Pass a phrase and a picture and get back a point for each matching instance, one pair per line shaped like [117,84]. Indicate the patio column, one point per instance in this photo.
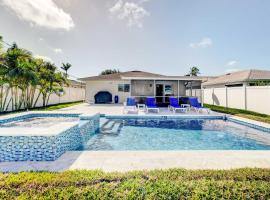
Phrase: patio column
[130,85]
[177,88]
[191,88]
[154,88]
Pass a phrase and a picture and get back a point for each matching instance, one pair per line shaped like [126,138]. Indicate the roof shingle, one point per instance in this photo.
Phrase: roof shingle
[239,77]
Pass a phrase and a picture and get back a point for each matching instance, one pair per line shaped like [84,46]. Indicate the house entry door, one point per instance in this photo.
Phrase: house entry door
[159,93]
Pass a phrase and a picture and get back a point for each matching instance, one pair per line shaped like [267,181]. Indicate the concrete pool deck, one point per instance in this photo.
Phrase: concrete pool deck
[123,161]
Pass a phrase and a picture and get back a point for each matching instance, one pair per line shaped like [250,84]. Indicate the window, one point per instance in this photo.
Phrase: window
[120,88]
[126,88]
[123,87]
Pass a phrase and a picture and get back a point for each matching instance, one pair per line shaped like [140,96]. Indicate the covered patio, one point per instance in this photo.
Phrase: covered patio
[161,89]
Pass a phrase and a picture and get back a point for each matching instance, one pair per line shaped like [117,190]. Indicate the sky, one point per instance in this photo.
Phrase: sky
[159,36]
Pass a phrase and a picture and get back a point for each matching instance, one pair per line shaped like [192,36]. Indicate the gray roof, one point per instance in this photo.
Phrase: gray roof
[138,75]
[239,77]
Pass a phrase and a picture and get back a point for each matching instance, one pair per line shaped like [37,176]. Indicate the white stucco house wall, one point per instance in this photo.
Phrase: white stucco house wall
[139,84]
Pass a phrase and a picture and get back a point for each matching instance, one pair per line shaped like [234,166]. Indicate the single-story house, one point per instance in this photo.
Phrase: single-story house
[139,84]
[250,77]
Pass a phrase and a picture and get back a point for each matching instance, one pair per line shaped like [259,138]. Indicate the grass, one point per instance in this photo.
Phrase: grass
[241,113]
[47,108]
[58,106]
[157,184]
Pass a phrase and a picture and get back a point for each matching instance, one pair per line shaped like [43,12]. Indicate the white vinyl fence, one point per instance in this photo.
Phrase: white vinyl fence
[195,93]
[253,98]
[71,94]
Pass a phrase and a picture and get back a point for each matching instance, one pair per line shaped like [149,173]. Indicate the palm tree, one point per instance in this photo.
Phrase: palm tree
[109,71]
[66,67]
[17,62]
[50,81]
[194,71]
[1,43]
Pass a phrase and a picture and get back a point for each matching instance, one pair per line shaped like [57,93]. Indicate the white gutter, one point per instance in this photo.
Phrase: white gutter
[188,78]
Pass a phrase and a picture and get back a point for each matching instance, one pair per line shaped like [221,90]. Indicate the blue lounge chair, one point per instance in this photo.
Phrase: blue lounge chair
[151,104]
[194,103]
[174,105]
[130,105]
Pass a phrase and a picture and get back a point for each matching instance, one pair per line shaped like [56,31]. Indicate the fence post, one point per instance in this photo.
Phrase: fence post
[202,96]
[226,96]
[245,96]
[213,92]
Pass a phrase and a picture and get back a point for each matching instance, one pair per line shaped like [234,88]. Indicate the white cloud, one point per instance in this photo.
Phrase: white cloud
[133,13]
[45,58]
[231,63]
[58,50]
[205,42]
[44,13]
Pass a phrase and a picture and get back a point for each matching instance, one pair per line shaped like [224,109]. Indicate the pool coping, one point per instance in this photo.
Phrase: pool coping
[36,131]
[248,122]
[123,161]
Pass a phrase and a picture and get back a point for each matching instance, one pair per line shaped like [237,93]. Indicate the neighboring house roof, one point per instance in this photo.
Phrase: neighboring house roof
[140,75]
[239,77]
[75,83]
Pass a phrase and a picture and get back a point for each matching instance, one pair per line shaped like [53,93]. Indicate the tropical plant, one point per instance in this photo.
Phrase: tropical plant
[66,67]
[260,83]
[22,75]
[50,81]
[1,43]
[110,71]
[18,74]
[194,71]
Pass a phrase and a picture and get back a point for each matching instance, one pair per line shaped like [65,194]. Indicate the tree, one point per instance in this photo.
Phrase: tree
[66,67]
[50,81]
[109,71]
[22,75]
[18,74]
[194,71]
[1,43]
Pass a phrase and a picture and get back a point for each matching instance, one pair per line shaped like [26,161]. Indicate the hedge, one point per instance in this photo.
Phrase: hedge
[157,184]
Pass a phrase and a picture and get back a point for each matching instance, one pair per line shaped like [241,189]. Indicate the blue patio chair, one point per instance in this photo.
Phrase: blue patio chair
[130,105]
[183,100]
[151,104]
[194,103]
[174,105]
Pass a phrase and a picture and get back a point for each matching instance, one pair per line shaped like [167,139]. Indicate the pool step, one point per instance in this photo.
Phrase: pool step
[103,121]
[114,128]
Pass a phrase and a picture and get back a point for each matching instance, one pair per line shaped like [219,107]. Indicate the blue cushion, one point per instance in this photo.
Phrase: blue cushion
[174,102]
[131,102]
[151,102]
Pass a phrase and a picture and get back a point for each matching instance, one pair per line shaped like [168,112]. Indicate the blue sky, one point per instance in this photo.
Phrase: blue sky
[161,36]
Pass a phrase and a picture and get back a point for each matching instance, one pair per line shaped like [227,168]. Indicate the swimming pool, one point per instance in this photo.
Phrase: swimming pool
[176,134]
[41,122]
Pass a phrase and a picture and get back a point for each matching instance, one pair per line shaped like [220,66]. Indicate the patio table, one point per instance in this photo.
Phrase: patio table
[141,107]
[187,106]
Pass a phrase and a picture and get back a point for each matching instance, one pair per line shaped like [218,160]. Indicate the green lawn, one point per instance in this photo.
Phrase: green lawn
[58,106]
[167,184]
[241,113]
[48,108]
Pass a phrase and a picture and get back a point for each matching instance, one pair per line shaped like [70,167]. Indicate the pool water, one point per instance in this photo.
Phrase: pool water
[154,134]
[40,122]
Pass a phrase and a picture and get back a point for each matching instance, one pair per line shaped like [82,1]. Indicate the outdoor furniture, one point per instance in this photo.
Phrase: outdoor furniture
[174,105]
[141,107]
[185,105]
[130,105]
[194,103]
[151,104]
